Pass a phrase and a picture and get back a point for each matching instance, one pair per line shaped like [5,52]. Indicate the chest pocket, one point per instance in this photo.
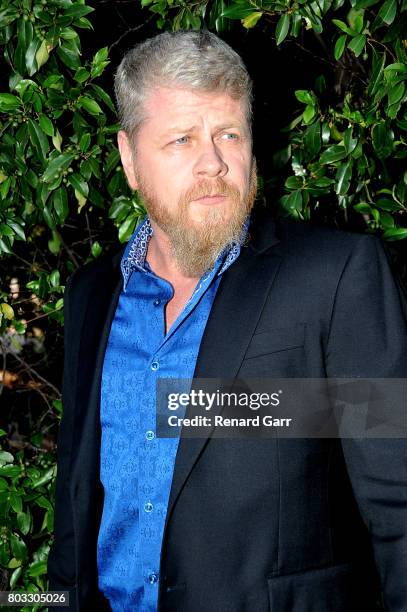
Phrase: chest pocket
[275,340]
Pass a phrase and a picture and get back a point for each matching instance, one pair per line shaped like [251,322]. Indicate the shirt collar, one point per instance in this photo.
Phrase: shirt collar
[134,256]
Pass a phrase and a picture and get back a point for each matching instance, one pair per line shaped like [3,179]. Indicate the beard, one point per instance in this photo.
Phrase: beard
[196,244]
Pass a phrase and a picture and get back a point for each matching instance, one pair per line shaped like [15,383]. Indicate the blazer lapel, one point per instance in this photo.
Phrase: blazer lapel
[235,312]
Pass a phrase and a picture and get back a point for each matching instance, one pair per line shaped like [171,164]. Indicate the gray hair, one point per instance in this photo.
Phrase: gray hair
[195,59]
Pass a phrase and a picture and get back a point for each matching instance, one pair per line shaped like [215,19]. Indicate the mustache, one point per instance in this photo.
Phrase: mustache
[207,188]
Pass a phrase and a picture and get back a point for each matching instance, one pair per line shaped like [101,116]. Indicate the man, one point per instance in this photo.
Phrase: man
[206,287]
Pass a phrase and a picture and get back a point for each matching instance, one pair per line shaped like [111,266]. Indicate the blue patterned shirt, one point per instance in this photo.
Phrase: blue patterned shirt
[136,466]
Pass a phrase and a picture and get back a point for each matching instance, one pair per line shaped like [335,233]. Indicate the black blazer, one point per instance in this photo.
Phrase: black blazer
[256,525]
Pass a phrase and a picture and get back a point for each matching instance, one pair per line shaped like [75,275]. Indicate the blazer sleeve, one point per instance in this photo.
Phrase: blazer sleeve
[368,339]
[61,559]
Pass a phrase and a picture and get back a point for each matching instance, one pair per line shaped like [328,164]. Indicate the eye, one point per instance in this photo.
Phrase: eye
[232,134]
[182,138]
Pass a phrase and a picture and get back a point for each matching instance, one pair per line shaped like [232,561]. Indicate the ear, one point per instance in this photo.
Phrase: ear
[126,155]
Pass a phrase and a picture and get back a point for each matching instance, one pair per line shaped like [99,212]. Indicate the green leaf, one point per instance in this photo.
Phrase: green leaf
[308,114]
[10,470]
[323,182]
[326,133]
[340,46]
[382,138]
[57,404]
[387,204]
[283,25]
[42,55]
[361,4]
[396,93]
[312,139]
[86,169]
[46,125]
[386,220]
[15,502]
[5,230]
[6,457]
[82,22]
[44,478]
[294,201]
[89,105]
[294,182]
[103,97]
[7,16]
[304,96]
[56,165]
[69,57]
[357,44]
[126,229]
[251,20]
[342,26]
[24,522]
[333,154]
[30,56]
[120,205]
[363,208]
[79,184]
[112,161]
[57,140]
[78,10]
[348,140]
[388,11]
[18,547]
[14,577]
[397,66]
[296,24]
[54,245]
[8,102]
[81,75]
[343,177]
[355,19]
[54,279]
[96,249]
[38,139]
[379,60]
[17,228]
[101,55]
[39,568]
[85,141]
[48,218]
[396,233]
[25,36]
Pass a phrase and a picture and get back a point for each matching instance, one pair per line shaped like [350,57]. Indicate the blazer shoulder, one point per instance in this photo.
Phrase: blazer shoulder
[331,243]
[103,267]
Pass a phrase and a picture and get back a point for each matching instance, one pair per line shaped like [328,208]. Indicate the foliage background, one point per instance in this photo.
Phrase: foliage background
[330,134]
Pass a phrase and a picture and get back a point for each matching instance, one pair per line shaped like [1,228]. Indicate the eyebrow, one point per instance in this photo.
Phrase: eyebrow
[193,128]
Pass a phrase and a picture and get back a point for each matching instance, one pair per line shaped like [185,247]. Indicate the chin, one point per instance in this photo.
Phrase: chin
[210,214]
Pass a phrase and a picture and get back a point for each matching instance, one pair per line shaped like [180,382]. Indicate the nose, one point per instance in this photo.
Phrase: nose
[210,162]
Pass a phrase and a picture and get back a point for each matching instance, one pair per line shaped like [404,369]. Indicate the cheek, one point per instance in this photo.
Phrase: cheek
[240,172]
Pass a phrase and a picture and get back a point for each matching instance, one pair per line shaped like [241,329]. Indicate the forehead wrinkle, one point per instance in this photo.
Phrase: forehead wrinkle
[167,103]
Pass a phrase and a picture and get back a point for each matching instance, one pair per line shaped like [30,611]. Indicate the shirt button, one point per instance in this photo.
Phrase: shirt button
[148,507]
[155,365]
[157,302]
[149,435]
[152,578]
